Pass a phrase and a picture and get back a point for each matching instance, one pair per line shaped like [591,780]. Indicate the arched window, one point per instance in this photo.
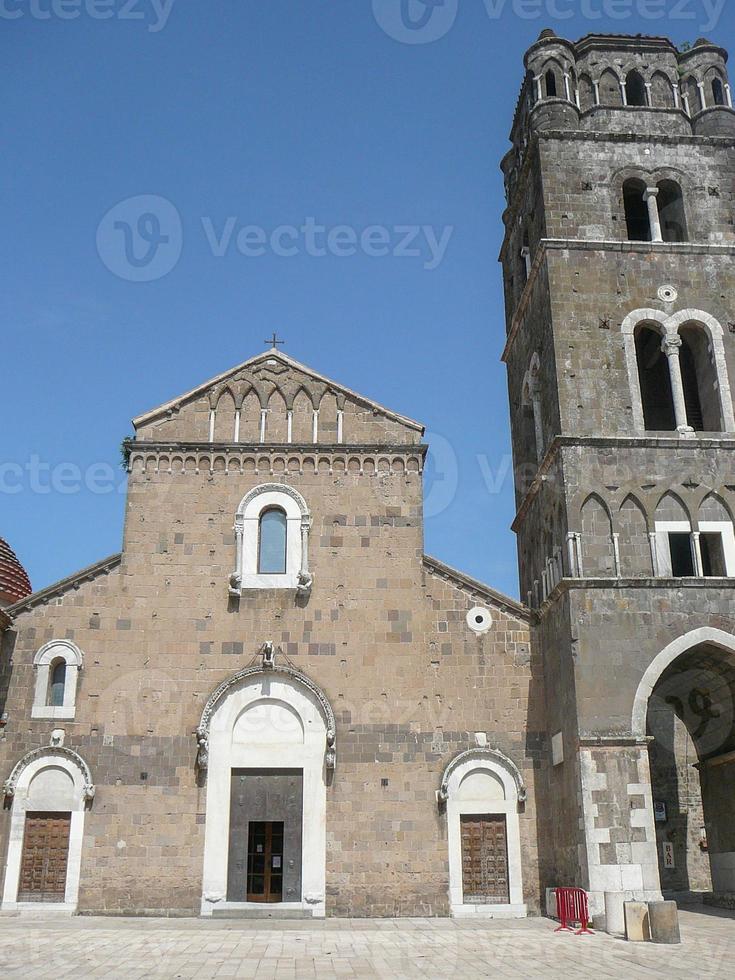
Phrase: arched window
[637,217]
[610,92]
[635,89]
[718,91]
[57,685]
[690,90]
[586,92]
[655,381]
[57,666]
[272,542]
[662,91]
[671,211]
[550,81]
[699,380]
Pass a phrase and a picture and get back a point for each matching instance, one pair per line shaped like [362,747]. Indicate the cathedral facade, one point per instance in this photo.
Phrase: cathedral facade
[272,701]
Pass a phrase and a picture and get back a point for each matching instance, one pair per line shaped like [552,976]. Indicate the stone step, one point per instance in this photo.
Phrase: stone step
[261,914]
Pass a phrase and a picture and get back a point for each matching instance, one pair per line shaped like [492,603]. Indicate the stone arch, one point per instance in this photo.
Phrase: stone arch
[611,93]
[597,550]
[586,93]
[303,418]
[662,91]
[690,91]
[276,427]
[483,784]
[250,418]
[552,80]
[224,417]
[635,89]
[634,542]
[239,738]
[51,779]
[714,508]
[715,333]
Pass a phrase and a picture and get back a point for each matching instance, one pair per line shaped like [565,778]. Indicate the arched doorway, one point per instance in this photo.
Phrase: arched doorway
[267,740]
[483,791]
[686,706]
[50,789]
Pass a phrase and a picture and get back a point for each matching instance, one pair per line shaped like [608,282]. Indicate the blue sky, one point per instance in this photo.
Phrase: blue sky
[271,113]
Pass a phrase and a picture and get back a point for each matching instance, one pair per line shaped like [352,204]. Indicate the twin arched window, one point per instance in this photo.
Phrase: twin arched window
[635,89]
[654,213]
[272,542]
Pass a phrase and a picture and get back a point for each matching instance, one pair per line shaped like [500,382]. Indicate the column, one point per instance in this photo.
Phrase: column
[315,426]
[537,83]
[654,553]
[677,95]
[702,96]
[340,424]
[697,555]
[624,93]
[580,563]
[728,94]
[670,347]
[651,199]
[567,87]
[211,424]
[526,256]
[236,436]
[649,96]
[263,415]
[616,552]
[571,556]
[537,420]
[289,426]
[596,86]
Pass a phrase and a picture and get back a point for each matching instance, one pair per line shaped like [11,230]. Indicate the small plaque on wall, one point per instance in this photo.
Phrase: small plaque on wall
[669,855]
[659,812]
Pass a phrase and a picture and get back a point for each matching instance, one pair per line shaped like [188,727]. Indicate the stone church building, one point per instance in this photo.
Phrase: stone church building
[273,702]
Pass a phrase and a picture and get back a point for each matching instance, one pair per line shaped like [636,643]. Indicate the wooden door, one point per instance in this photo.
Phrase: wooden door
[265,861]
[44,857]
[484,859]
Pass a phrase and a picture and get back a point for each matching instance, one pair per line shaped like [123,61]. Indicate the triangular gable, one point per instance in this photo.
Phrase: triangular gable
[270,358]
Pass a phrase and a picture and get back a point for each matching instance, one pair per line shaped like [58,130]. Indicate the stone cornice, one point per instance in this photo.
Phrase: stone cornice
[273,459]
[103,567]
[476,588]
[567,585]
[617,442]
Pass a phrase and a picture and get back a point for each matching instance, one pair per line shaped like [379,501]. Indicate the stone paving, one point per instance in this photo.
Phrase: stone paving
[84,947]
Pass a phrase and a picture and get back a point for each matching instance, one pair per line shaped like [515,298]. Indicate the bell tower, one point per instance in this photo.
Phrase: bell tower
[620,307]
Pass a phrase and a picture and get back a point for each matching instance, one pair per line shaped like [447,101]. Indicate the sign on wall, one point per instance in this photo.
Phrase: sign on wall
[669,855]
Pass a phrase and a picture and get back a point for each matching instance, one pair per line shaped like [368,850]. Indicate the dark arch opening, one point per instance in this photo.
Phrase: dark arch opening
[718,91]
[671,212]
[635,89]
[551,86]
[699,380]
[655,381]
[57,684]
[637,218]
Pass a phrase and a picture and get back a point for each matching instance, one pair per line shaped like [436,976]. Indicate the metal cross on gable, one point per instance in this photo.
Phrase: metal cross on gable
[274,341]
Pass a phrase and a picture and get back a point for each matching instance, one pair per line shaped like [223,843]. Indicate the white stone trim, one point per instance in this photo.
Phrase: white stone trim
[225,754]
[73,658]
[663,551]
[247,532]
[663,660]
[22,777]
[496,764]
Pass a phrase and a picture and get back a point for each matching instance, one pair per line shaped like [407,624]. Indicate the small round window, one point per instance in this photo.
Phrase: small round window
[479,619]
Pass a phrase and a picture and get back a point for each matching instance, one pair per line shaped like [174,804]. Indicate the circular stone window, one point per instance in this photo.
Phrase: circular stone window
[667,294]
[479,619]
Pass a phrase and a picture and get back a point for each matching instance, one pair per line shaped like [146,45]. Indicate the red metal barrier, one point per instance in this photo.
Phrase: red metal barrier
[571,907]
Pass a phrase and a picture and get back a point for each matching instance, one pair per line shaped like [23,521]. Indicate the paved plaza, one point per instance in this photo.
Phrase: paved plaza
[388,948]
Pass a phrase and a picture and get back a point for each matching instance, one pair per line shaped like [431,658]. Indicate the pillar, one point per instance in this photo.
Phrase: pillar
[651,199]
[670,347]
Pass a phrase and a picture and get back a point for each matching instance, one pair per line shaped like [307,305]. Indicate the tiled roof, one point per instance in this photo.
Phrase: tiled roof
[14,581]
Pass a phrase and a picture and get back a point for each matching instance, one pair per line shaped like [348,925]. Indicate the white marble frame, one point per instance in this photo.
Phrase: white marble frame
[224,756]
[670,326]
[247,535]
[17,830]
[72,656]
[508,808]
